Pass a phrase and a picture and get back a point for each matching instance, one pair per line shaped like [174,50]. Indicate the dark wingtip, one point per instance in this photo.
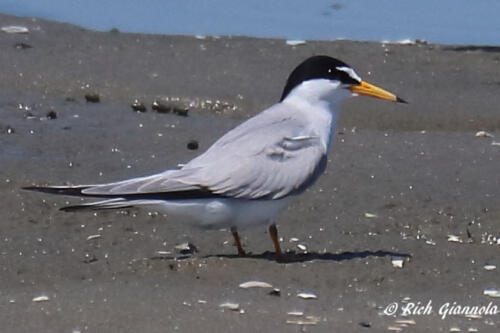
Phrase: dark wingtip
[400,100]
[74,208]
[35,188]
[77,191]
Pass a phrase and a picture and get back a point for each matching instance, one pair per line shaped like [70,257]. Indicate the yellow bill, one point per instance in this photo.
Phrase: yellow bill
[368,89]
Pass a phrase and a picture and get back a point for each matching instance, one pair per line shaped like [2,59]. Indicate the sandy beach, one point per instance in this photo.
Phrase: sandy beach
[404,182]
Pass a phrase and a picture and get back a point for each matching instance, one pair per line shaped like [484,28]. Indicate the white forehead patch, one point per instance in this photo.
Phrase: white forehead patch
[350,72]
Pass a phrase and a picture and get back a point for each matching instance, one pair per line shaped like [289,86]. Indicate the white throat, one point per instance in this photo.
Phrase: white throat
[319,91]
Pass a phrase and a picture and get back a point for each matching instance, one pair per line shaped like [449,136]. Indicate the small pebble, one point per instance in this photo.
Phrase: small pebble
[181,111]
[52,115]
[138,106]
[22,46]
[192,145]
[160,107]
[275,292]
[176,107]
[92,98]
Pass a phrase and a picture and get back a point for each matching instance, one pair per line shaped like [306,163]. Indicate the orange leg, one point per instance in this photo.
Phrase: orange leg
[237,241]
[273,232]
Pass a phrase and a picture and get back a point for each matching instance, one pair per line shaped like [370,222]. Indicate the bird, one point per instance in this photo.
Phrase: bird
[251,173]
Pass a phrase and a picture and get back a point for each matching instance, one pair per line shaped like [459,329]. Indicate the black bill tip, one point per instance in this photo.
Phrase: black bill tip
[400,100]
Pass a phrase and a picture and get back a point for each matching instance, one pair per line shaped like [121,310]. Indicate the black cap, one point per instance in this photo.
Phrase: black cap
[318,67]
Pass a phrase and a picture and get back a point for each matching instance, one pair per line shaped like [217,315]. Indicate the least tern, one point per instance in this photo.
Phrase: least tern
[251,173]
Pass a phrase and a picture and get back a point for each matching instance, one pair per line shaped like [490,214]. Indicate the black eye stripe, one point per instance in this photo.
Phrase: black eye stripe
[347,79]
[318,67]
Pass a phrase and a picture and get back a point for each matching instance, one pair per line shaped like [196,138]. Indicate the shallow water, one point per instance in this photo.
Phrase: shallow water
[446,21]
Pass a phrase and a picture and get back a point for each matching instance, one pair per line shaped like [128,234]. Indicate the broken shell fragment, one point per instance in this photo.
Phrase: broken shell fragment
[370,215]
[163,253]
[307,295]
[453,238]
[405,322]
[15,29]
[308,320]
[397,262]
[275,292]
[41,298]
[255,284]
[491,292]
[93,236]
[186,248]
[302,247]
[230,306]
[295,42]
[489,267]
[484,134]
[295,313]
[473,316]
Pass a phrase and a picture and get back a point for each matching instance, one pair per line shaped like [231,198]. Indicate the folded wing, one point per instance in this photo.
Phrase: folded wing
[270,156]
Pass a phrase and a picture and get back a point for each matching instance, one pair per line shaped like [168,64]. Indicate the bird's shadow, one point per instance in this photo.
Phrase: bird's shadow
[293,257]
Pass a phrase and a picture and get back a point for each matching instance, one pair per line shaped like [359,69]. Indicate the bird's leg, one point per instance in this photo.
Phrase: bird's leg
[273,232]
[237,241]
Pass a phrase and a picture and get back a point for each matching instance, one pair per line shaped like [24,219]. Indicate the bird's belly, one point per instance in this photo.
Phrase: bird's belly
[223,212]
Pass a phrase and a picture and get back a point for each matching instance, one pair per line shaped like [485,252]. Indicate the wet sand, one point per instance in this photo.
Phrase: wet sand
[418,170]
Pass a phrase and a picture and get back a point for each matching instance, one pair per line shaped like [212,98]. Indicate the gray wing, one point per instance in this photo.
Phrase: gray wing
[270,155]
